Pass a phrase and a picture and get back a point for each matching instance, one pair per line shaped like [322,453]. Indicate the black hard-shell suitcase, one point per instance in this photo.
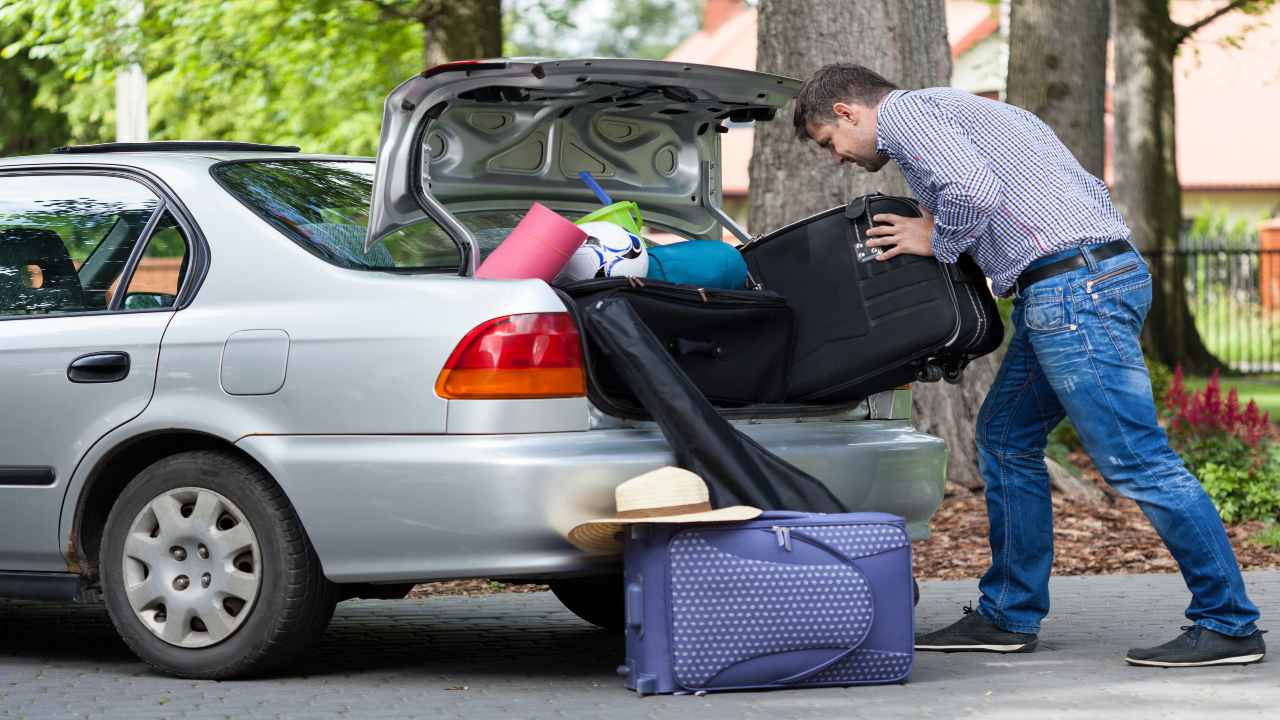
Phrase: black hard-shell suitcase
[863,325]
[734,344]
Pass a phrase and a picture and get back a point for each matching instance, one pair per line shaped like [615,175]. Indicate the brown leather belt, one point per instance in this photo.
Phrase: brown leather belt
[1099,253]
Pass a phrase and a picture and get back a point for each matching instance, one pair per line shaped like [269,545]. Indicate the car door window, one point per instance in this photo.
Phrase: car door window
[65,240]
[161,269]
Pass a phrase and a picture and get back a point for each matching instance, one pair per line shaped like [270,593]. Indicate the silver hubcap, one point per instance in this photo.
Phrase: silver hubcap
[192,567]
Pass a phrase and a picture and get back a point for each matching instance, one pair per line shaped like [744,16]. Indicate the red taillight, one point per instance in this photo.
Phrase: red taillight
[538,355]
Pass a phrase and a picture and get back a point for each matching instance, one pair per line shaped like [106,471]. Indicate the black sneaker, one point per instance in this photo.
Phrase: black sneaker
[1199,646]
[974,633]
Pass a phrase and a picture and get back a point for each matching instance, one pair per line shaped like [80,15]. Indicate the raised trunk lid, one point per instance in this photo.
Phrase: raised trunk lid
[498,134]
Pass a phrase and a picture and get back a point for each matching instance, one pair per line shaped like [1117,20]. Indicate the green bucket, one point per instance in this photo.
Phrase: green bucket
[626,214]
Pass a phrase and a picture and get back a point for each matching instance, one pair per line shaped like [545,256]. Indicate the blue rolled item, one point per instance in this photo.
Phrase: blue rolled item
[590,182]
[704,263]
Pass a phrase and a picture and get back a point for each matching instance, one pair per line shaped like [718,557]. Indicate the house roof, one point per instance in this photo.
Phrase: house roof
[1228,97]
[969,22]
[1228,101]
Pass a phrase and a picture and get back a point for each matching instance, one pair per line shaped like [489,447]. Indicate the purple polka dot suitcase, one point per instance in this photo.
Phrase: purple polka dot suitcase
[787,600]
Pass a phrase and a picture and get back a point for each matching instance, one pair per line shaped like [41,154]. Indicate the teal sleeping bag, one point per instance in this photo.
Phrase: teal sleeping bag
[703,263]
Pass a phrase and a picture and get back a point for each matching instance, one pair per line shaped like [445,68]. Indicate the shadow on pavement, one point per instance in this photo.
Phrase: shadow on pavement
[453,636]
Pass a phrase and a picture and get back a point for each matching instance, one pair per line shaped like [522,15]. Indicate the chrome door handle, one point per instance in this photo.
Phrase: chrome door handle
[103,367]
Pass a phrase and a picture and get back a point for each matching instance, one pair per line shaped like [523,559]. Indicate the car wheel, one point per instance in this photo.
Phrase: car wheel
[207,572]
[598,600]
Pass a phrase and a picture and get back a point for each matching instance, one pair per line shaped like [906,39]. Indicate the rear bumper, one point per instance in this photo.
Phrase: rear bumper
[413,508]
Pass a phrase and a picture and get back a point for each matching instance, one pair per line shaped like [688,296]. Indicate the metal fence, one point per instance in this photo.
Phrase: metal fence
[1233,289]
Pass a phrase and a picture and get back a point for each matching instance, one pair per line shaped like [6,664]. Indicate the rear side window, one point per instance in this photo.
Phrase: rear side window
[161,269]
[65,240]
[324,207]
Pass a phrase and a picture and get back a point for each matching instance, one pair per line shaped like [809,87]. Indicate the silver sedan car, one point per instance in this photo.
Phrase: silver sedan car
[223,364]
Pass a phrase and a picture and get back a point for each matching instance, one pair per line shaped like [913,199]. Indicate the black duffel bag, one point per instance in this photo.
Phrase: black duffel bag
[733,344]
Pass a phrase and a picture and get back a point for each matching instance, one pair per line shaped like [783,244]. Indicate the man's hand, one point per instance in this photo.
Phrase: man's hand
[906,235]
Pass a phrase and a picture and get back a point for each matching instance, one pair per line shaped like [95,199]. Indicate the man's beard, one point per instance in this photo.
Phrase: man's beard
[879,162]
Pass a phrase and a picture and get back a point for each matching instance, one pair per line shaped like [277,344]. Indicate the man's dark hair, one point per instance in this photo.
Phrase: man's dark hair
[839,82]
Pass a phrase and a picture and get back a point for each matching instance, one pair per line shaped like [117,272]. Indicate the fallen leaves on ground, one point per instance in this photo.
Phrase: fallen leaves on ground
[1111,537]
[471,587]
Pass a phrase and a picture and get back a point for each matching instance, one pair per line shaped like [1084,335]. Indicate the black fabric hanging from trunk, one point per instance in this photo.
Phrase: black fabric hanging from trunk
[737,470]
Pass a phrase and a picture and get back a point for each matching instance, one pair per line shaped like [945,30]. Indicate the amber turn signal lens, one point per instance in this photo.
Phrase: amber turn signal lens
[536,355]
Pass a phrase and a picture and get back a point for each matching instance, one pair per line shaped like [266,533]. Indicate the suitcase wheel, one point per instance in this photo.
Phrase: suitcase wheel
[929,373]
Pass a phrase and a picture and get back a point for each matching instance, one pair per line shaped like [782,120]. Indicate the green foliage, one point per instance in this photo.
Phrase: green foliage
[566,28]
[24,128]
[1232,452]
[1062,442]
[1268,536]
[312,73]
[648,29]
[1244,482]
[1212,226]
[1161,378]
[307,72]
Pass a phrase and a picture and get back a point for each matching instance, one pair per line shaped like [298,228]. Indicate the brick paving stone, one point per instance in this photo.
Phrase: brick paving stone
[513,656]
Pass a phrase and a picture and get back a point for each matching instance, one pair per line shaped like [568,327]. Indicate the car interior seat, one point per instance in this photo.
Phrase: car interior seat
[59,287]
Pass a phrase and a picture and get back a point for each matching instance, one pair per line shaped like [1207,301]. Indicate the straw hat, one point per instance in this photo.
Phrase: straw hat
[666,495]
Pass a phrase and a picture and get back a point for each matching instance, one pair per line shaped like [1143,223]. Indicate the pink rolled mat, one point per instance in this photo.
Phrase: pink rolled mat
[539,247]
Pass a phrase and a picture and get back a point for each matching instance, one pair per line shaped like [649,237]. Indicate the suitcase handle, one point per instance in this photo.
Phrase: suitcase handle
[710,349]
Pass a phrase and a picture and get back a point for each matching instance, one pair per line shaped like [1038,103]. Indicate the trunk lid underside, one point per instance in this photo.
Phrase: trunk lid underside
[495,135]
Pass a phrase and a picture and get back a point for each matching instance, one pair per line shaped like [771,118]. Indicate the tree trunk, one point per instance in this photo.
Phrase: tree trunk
[1057,70]
[463,30]
[1146,187]
[907,43]
[904,41]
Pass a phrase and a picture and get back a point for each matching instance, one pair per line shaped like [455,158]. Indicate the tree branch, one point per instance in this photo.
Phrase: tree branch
[1182,32]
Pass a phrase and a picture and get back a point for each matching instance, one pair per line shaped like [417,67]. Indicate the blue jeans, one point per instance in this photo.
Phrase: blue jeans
[1075,353]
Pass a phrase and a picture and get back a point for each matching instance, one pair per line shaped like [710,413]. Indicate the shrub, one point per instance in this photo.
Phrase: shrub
[1268,536]
[1161,377]
[1229,449]
[1063,441]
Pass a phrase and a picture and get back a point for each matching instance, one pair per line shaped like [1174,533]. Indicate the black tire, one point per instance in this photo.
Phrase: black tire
[598,600]
[915,593]
[294,601]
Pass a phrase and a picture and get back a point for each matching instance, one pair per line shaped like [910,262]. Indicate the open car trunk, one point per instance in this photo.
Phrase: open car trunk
[494,136]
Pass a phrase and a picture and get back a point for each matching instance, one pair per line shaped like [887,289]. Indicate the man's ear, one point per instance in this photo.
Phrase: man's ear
[846,111]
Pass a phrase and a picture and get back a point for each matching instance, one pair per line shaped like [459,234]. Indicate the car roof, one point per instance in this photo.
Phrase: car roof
[167,158]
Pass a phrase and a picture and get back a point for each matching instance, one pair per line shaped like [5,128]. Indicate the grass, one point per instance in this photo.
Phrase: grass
[1240,334]
[1268,536]
[1262,389]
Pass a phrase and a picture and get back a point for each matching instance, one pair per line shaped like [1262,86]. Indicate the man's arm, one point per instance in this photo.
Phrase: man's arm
[969,193]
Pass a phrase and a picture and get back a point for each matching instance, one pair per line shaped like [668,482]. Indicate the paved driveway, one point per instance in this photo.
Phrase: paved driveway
[523,656]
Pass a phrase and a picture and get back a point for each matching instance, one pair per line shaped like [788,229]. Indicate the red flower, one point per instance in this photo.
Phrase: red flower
[1198,414]
[1231,416]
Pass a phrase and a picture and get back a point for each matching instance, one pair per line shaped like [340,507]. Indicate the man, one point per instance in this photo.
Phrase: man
[999,185]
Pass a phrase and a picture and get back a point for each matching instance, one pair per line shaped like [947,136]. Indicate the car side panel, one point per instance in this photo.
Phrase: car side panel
[364,348]
[50,422]
[413,508]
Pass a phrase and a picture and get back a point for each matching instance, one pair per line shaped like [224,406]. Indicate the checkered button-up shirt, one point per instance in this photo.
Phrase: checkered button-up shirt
[1001,186]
